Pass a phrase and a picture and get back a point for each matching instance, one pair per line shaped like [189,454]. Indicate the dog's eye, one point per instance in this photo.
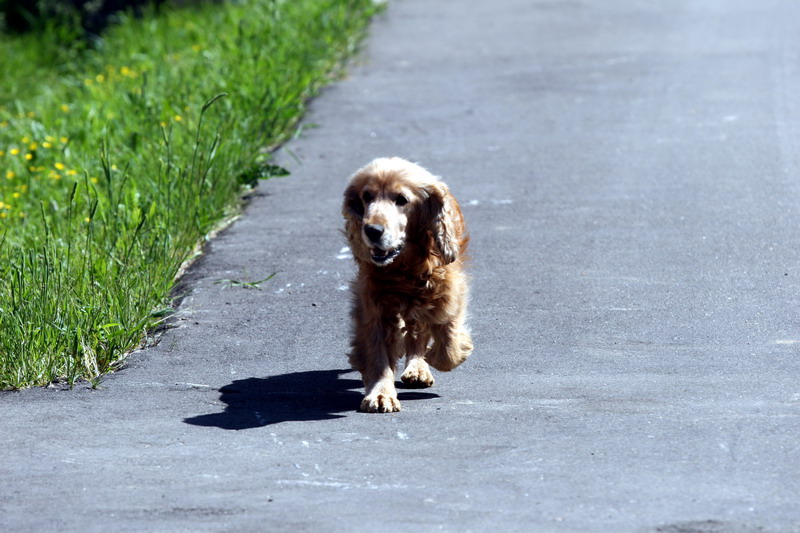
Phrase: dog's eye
[367,197]
[400,200]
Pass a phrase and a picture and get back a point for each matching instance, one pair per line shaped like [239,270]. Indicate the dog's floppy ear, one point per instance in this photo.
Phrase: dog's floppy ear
[352,207]
[353,212]
[445,221]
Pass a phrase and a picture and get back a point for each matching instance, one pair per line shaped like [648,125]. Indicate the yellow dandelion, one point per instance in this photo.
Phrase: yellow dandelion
[3,214]
[72,172]
[14,151]
[59,166]
[25,140]
[65,108]
[2,153]
[178,118]
[100,78]
[23,188]
[10,175]
[88,82]
[28,157]
[55,176]
[16,195]
[46,144]
[87,220]
[125,71]
[33,146]
[21,214]
[114,167]
[93,180]
[49,138]
[162,124]
[40,169]
[64,140]
[32,168]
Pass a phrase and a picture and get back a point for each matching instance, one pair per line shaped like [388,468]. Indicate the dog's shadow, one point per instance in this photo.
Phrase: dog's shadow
[294,397]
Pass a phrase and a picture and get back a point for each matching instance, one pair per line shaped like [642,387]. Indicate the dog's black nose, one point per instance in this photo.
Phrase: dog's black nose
[373,231]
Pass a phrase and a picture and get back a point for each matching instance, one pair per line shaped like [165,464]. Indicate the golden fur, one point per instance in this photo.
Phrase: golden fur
[407,235]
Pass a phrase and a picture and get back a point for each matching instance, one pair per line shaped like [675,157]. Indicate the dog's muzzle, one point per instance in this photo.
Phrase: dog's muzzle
[383,257]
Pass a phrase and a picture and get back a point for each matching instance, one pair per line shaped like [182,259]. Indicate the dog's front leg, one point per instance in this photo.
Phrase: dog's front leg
[382,353]
[417,374]
[452,344]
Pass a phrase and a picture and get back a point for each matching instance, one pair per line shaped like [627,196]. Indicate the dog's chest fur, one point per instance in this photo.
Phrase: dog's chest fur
[399,292]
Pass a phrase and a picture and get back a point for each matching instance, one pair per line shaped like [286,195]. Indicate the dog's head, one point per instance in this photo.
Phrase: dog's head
[393,207]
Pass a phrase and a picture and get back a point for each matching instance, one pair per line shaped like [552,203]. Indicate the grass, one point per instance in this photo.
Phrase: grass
[116,160]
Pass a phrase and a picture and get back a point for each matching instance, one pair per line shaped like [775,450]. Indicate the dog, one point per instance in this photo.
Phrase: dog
[408,239]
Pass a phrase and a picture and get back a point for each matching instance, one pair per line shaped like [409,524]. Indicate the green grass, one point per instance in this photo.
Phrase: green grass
[117,160]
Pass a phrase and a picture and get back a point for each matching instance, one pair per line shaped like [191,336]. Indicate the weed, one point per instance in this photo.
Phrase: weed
[245,284]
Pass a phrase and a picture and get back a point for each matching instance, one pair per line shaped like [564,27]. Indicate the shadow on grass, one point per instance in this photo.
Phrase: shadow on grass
[294,397]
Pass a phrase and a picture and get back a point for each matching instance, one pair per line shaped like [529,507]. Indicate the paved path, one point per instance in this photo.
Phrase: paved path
[630,174]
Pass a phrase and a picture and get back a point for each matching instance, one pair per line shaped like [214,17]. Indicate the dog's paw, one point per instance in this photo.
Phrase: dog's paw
[417,376]
[380,403]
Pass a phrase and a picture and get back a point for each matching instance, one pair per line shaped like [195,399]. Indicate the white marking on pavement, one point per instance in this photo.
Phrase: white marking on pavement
[345,253]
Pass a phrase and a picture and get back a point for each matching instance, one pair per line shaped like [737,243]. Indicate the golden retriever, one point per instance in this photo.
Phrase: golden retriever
[408,238]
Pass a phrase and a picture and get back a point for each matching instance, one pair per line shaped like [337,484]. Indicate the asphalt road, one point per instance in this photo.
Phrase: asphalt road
[629,171]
